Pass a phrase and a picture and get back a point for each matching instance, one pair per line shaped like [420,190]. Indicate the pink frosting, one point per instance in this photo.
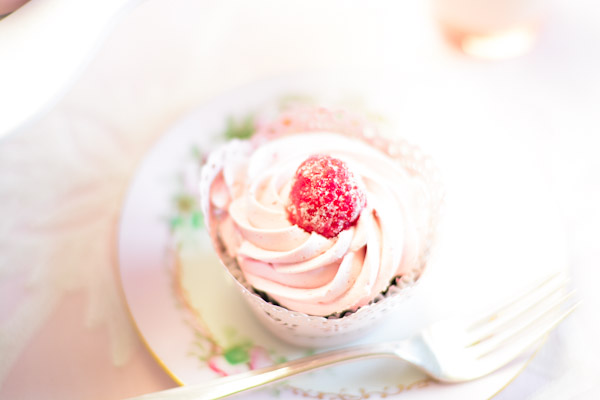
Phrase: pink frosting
[304,271]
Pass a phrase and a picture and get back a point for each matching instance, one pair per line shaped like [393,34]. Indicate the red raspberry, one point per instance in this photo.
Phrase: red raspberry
[325,196]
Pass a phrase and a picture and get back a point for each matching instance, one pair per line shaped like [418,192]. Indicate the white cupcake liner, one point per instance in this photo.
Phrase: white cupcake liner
[316,331]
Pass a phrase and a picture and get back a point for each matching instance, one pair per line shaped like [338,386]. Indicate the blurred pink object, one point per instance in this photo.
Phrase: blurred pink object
[8,6]
[492,29]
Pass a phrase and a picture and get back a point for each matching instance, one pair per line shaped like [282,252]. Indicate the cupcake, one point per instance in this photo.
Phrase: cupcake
[324,224]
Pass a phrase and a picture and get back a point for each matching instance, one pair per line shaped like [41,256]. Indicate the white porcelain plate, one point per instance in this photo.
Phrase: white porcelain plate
[500,233]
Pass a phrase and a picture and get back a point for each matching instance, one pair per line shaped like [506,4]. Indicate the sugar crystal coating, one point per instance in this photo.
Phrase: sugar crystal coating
[325,196]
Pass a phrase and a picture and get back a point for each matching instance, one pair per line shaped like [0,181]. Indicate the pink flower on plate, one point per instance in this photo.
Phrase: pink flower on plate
[259,358]
[222,367]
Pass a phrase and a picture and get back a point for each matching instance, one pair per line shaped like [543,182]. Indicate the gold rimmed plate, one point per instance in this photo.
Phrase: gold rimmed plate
[500,233]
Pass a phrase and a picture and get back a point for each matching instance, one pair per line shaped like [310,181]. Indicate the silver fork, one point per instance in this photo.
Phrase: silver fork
[455,350]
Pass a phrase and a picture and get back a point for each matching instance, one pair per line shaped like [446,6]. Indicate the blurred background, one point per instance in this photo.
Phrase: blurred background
[87,87]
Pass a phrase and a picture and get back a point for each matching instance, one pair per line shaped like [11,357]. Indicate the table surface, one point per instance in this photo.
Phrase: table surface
[64,329]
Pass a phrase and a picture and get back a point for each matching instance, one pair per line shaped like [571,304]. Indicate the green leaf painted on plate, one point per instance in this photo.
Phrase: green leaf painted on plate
[291,100]
[176,222]
[239,129]
[196,153]
[280,360]
[185,203]
[237,355]
[309,352]
[197,219]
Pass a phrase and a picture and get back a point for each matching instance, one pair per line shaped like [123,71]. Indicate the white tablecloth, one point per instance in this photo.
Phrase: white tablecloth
[64,331]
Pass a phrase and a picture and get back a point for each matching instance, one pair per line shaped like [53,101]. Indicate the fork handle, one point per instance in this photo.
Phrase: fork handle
[227,386]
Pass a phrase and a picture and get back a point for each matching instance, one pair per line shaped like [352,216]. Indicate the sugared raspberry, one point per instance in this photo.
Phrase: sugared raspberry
[325,196]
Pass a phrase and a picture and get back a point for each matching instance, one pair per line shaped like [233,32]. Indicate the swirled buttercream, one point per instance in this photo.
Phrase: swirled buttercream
[307,272]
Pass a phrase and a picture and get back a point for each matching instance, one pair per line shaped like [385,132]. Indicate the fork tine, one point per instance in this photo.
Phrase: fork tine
[523,310]
[540,319]
[493,360]
[515,307]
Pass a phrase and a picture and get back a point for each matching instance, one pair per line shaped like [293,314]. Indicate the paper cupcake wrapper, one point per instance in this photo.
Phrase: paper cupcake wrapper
[315,331]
